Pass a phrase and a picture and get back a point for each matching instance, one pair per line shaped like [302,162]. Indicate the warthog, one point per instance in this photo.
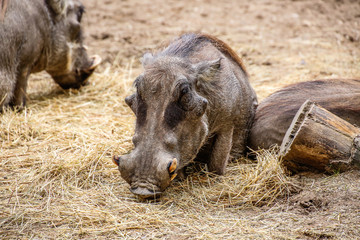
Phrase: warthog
[275,114]
[192,100]
[41,35]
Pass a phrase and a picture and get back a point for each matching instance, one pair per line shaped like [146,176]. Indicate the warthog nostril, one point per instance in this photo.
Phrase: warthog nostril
[145,193]
[171,168]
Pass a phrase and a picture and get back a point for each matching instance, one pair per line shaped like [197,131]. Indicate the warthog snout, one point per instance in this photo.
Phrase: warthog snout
[143,184]
[78,76]
[145,193]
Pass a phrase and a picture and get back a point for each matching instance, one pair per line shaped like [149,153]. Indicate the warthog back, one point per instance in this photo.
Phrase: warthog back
[275,113]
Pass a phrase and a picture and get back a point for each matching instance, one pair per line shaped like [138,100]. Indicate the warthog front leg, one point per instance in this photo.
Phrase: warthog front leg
[7,85]
[221,151]
[19,98]
[239,143]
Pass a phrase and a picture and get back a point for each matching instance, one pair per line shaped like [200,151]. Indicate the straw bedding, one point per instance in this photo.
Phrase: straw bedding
[58,181]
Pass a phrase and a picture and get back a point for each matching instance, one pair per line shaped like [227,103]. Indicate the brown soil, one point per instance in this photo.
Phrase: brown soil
[280,42]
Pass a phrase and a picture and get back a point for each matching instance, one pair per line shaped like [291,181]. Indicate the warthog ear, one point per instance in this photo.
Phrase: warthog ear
[58,6]
[130,101]
[146,59]
[206,70]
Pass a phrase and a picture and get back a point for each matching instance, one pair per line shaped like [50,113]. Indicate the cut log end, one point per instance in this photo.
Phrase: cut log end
[320,140]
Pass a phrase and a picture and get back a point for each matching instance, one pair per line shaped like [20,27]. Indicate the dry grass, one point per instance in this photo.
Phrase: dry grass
[58,181]
[246,183]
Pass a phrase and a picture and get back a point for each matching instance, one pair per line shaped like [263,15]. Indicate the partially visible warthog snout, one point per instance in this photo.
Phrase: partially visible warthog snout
[78,76]
[143,184]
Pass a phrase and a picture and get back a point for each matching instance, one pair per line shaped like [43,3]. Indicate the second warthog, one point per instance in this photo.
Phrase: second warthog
[275,113]
[41,35]
[193,100]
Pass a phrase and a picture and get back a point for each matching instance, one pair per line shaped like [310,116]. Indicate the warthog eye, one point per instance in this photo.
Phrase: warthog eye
[185,90]
[185,96]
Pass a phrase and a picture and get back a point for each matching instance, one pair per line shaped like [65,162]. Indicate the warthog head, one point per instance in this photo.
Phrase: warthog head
[171,124]
[68,62]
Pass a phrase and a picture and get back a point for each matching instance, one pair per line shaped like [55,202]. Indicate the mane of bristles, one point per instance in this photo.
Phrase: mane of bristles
[225,49]
[190,42]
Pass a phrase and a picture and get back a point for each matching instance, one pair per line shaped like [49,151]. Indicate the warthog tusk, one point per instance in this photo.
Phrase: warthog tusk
[173,176]
[96,60]
[172,166]
[116,160]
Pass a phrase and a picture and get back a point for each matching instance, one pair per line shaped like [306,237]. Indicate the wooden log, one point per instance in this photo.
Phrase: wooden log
[318,139]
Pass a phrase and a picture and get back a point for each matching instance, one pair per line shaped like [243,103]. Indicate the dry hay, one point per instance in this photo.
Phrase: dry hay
[56,175]
[246,184]
[57,179]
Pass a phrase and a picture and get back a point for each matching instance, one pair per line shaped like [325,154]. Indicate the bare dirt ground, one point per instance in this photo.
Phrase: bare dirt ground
[56,175]
[280,41]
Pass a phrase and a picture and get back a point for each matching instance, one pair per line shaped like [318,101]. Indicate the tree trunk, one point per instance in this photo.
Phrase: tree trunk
[318,139]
